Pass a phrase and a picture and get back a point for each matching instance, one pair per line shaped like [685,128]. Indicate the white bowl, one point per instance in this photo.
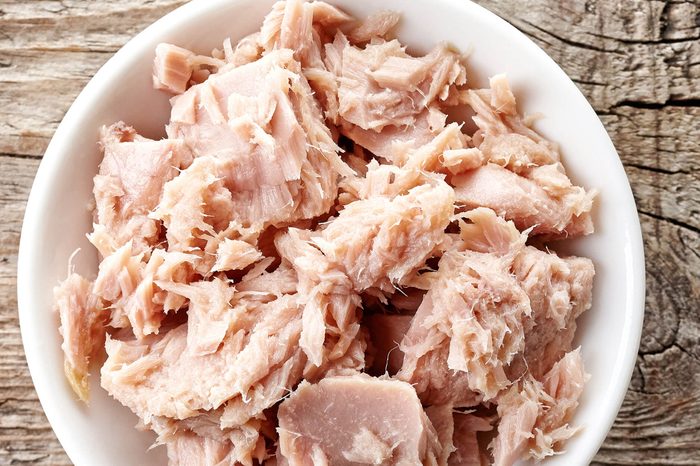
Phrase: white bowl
[57,217]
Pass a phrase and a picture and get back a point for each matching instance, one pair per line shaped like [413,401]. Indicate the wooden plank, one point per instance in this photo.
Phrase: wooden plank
[25,434]
[48,52]
[631,52]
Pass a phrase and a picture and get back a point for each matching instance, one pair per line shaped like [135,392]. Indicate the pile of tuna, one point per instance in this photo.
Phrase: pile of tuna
[317,266]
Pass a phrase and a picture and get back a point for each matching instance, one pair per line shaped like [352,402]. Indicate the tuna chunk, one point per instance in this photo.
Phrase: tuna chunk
[188,449]
[238,447]
[234,254]
[559,207]
[298,26]
[444,149]
[502,99]
[172,68]
[447,151]
[523,201]
[278,159]
[194,204]
[247,50]
[457,432]
[535,414]
[330,318]
[376,25]
[356,420]
[268,286]
[130,183]
[209,314]
[475,309]
[232,248]
[271,390]
[441,418]
[393,142]
[175,69]
[381,240]
[560,290]
[126,281]
[496,116]
[305,28]
[381,85]
[82,328]
[162,378]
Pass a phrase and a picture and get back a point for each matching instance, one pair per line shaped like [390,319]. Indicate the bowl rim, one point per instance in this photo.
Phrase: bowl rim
[119,62]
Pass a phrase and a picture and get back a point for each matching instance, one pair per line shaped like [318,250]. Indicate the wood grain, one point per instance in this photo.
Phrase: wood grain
[638,63]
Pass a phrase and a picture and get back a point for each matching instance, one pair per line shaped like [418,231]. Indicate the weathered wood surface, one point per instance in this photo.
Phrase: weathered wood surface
[637,61]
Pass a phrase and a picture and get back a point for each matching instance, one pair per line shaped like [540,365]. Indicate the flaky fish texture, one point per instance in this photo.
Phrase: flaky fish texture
[319,263]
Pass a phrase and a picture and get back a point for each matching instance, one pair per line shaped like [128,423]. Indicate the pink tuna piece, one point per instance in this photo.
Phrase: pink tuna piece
[535,414]
[457,433]
[161,378]
[475,309]
[280,162]
[130,183]
[82,329]
[244,446]
[270,391]
[268,285]
[560,290]
[298,25]
[523,201]
[209,314]
[372,95]
[330,319]
[126,281]
[560,208]
[235,255]
[392,142]
[381,239]
[172,68]
[195,203]
[188,449]
[496,116]
[376,25]
[356,420]
[502,99]
[441,418]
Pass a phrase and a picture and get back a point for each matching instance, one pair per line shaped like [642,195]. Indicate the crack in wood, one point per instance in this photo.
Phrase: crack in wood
[588,82]
[33,460]
[643,388]
[672,221]
[20,156]
[71,49]
[662,171]
[685,351]
[668,347]
[695,103]
[571,42]
[646,41]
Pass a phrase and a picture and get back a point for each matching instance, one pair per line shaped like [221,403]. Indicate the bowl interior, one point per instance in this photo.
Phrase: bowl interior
[58,217]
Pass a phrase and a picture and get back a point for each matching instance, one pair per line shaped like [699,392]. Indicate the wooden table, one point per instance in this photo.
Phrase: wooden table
[637,61]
